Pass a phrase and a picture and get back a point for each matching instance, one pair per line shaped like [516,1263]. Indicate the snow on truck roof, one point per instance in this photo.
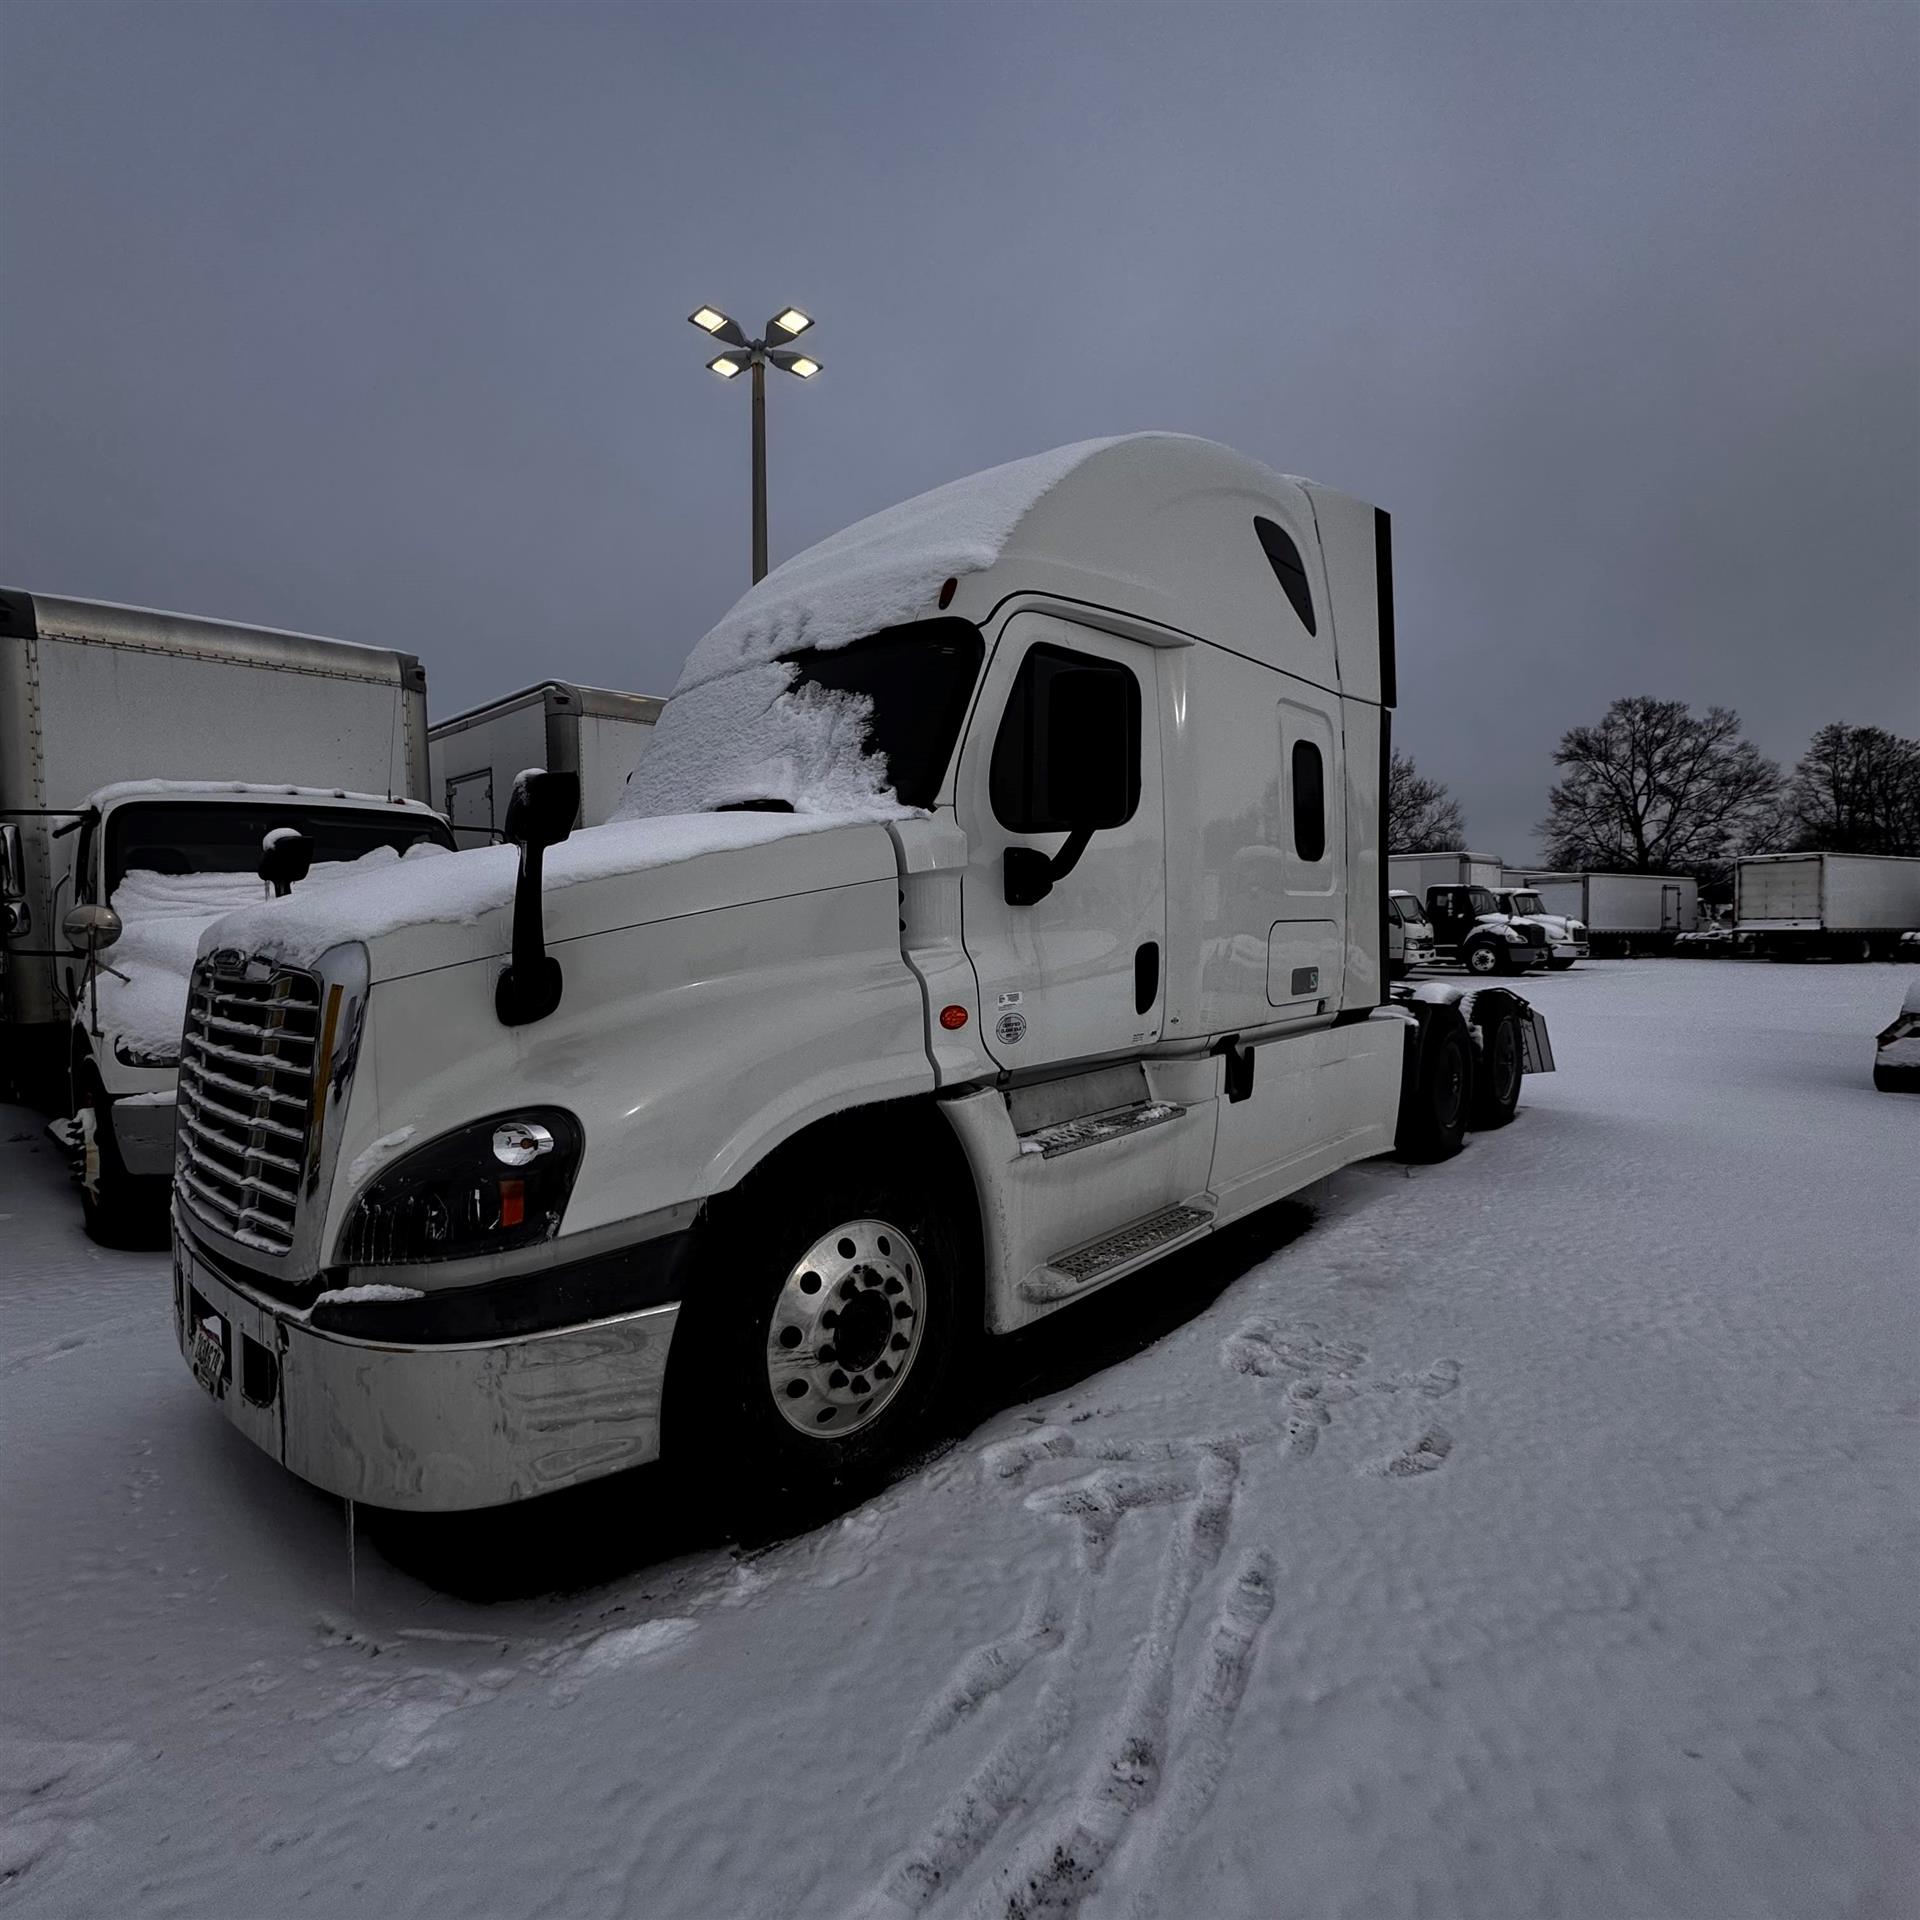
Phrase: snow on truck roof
[1156,525]
[119,790]
[1125,509]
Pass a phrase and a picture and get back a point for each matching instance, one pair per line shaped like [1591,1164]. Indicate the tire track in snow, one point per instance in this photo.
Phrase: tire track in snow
[988,1669]
[1052,1871]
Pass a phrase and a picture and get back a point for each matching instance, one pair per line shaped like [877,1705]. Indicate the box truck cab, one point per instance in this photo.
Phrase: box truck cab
[144,757]
[154,863]
[1469,925]
[1409,933]
[997,908]
[1566,938]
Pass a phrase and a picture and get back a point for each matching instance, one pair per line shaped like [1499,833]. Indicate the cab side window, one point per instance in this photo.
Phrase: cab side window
[1309,801]
[1018,777]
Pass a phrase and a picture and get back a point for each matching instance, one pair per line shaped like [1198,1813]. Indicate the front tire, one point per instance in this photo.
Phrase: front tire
[121,1210]
[1485,959]
[819,1341]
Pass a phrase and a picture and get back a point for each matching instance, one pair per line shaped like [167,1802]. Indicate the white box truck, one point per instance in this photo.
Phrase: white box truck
[1848,906]
[563,728]
[1623,912]
[999,907]
[144,757]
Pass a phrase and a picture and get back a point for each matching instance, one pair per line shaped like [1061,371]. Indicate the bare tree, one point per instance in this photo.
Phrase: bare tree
[1655,788]
[1857,790]
[1422,816]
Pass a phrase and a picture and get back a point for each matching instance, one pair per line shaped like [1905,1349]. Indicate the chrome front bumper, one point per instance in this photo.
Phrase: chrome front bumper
[426,1428]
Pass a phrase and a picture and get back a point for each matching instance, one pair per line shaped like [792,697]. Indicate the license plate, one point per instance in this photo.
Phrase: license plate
[209,1356]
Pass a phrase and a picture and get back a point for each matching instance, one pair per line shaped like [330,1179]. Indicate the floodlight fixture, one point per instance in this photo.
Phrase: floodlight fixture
[754,355]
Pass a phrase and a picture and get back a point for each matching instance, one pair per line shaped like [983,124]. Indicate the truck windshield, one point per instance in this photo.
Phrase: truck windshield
[1527,903]
[919,678]
[1481,901]
[214,836]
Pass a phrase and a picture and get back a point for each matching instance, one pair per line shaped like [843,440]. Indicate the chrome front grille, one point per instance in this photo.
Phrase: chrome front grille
[246,1100]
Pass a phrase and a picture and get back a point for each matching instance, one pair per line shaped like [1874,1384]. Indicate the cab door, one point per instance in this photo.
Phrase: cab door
[1306,946]
[1078,972]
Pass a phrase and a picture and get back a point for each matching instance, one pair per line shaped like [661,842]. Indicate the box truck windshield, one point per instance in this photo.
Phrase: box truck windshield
[218,837]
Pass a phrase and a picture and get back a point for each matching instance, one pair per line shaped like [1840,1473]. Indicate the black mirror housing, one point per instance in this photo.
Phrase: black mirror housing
[286,858]
[543,808]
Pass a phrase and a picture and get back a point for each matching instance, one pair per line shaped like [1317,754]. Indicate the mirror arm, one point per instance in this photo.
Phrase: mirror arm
[529,988]
[1028,875]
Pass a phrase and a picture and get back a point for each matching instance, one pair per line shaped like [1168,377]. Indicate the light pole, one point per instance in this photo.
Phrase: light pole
[754,356]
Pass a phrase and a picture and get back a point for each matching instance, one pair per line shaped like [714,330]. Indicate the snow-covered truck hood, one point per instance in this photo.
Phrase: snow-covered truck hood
[430,908]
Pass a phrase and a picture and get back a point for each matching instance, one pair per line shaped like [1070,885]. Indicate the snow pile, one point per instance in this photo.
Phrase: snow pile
[371,1295]
[736,730]
[382,892]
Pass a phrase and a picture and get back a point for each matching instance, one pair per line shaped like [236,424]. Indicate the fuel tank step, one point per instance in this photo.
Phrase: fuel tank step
[1101,1260]
[1069,1136]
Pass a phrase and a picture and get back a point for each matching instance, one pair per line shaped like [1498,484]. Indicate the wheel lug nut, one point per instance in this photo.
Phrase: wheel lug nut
[859,1384]
[893,1286]
[830,1318]
[836,1378]
[899,1343]
[881,1371]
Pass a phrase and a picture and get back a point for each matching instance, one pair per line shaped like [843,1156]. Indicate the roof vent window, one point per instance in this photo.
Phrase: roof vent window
[1288,568]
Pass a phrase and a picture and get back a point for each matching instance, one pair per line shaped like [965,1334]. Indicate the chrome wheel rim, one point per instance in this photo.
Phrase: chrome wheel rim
[847,1326]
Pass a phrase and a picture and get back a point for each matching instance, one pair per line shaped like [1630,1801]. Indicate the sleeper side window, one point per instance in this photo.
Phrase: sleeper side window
[1288,568]
[1018,776]
[1309,801]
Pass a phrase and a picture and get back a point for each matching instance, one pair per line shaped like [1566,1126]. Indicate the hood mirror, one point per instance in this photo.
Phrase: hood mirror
[286,858]
[90,930]
[540,815]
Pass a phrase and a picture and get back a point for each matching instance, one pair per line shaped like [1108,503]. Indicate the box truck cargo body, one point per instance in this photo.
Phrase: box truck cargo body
[1623,912]
[998,907]
[1849,905]
[594,732]
[143,758]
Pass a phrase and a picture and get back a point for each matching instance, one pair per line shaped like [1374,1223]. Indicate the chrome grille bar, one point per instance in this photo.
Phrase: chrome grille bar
[246,1088]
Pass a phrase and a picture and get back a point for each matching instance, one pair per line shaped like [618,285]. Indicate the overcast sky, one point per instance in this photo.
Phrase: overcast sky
[370,319]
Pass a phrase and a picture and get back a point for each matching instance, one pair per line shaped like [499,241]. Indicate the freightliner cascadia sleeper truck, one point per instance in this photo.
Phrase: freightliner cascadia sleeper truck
[997,908]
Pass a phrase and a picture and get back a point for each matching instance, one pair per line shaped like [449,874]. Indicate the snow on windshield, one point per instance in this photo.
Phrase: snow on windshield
[162,916]
[736,727]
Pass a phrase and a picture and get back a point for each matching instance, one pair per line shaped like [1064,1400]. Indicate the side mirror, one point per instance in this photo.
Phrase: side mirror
[16,917]
[92,930]
[540,815]
[286,858]
[543,808]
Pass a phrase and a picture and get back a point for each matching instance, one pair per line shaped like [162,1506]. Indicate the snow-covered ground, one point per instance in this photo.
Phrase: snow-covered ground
[1531,1535]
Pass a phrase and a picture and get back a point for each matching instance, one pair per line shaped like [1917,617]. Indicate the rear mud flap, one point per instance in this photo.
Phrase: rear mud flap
[1536,1050]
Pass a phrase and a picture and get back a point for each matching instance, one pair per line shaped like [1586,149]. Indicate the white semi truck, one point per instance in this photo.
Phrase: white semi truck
[1623,913]
[144,757]
[998,907]
[593,732]
[1848,906]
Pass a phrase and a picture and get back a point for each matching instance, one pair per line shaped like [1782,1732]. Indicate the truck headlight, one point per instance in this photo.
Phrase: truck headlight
[500,1183]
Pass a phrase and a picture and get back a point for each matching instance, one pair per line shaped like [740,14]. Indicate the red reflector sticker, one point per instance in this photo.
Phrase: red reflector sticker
[953,1018]
[513,1202]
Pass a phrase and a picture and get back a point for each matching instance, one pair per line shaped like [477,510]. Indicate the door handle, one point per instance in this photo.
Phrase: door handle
[1146,975]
